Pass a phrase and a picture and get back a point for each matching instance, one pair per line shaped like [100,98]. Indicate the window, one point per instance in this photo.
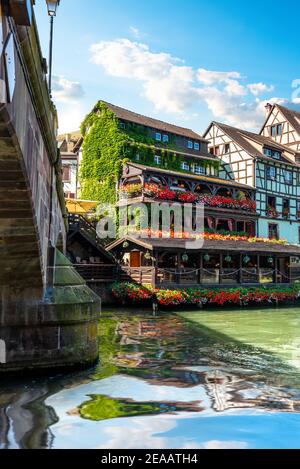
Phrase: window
[285,208]
[288,177]
[157,159]
[298,209]
[227,148]
[273,231]
[267,152]
[166,138]
[137,157]
[272,153]
[211,151]
[271,173]
[276,130]
[185,166]
[190,144]
[199,169]
[158,137]
[122,125]
[66,173]
[271,207]
[196,146]
[217,151]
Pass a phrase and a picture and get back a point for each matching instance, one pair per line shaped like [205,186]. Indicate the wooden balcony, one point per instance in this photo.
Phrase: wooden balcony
[164,278]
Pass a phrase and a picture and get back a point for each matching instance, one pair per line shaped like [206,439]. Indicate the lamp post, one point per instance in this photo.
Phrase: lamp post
[52,7]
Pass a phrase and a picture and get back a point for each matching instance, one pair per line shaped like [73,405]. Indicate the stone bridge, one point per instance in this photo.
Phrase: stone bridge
[48,316]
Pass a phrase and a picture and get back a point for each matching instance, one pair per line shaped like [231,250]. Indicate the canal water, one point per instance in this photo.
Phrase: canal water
[207,379]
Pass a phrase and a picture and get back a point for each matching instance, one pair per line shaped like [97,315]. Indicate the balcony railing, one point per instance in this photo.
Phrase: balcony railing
[180,195]
[164,277]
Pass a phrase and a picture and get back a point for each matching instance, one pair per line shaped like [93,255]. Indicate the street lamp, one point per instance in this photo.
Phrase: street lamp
[52,7]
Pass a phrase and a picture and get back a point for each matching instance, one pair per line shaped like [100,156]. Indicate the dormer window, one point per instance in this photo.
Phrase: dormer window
[190,144]
[158,136]
[122,125]
[165,138]
[272,153]
[196,146]
[268,152]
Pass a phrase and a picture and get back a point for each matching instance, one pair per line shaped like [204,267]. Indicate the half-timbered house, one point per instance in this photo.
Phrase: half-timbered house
[268,166]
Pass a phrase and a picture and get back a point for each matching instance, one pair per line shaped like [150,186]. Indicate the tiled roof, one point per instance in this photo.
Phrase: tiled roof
[130,116]
[212,245]
[293,117]
[245,140]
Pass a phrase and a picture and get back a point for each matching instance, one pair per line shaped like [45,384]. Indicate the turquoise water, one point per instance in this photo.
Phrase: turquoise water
[208,379]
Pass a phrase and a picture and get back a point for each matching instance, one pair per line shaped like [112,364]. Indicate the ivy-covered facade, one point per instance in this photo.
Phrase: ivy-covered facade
[112,136]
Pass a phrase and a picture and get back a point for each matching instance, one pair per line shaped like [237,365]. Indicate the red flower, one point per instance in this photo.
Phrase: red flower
[166,194]
[187,197]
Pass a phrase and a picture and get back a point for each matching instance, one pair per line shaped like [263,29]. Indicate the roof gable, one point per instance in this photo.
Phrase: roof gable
[290,115]
[245,140]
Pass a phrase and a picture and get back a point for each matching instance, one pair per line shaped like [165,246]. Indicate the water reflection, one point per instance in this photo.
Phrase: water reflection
[195,380]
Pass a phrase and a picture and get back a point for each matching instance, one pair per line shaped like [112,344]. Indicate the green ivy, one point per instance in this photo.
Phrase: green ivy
[107,148]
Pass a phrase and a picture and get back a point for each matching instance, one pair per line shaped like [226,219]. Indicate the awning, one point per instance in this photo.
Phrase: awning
[80,207]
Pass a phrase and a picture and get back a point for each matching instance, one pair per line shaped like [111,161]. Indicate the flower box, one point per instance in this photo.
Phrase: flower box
[130,292]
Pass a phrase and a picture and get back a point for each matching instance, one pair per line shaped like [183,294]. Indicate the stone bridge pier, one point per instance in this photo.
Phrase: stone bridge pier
[48,316]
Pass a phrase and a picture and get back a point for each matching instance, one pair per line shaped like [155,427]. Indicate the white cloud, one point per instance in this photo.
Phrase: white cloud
[209,77]
[68,96]
[216,444]
[65,90]
[260,88]
[173,87]
[234,88]
[167,82]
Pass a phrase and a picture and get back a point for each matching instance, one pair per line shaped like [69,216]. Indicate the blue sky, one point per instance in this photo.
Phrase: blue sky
[185,61]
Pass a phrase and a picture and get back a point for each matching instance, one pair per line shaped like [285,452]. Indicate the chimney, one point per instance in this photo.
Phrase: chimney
[268,108]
